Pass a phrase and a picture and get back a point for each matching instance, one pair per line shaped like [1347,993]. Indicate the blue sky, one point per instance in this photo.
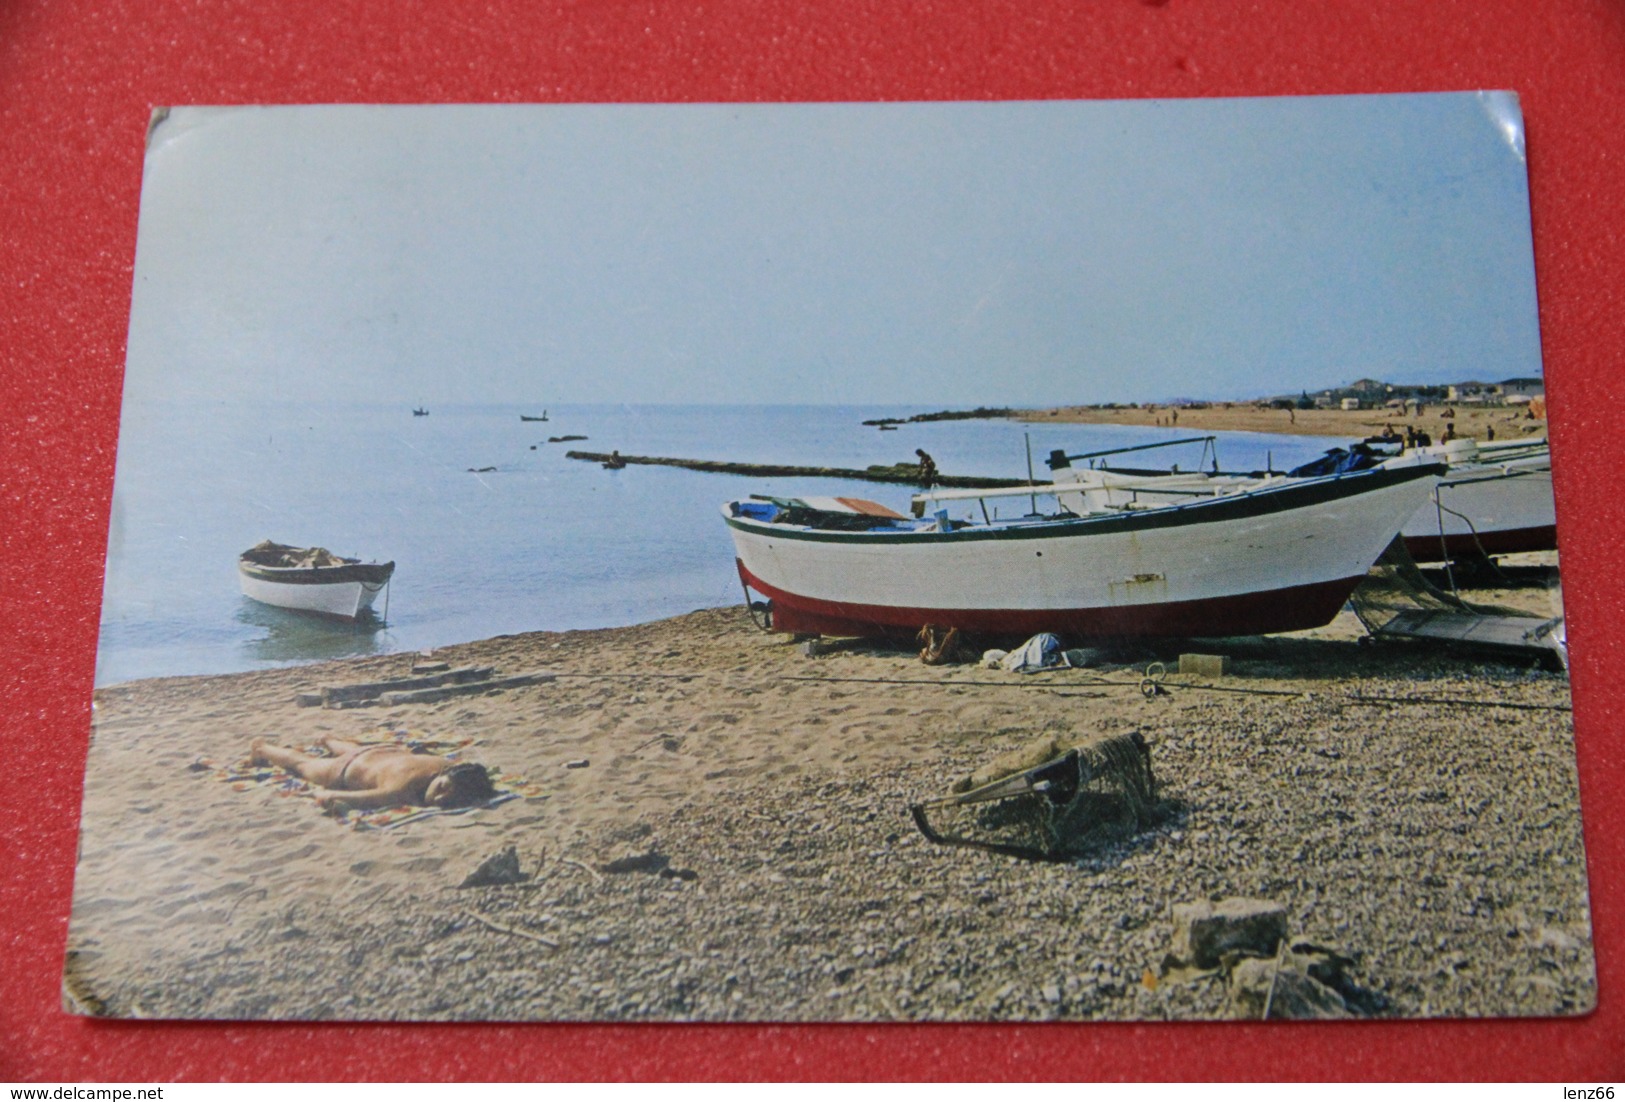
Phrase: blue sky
[929,255]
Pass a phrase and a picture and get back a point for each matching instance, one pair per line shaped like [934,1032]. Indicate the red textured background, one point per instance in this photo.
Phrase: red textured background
[77,81]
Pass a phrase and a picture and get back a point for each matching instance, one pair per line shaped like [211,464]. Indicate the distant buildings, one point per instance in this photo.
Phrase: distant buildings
[1522,390]
[1375,394]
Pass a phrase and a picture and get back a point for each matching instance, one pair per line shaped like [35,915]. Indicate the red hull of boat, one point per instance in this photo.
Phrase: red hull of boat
[1512,542]
[1291,609]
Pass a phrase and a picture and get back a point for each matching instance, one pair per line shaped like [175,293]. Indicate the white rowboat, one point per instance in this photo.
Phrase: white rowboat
[311,579]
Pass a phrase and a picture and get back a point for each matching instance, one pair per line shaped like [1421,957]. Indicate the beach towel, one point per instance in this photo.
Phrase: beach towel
[244,775]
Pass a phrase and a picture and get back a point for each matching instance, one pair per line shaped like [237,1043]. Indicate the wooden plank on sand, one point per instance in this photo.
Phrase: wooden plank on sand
[444,692]
[368,690]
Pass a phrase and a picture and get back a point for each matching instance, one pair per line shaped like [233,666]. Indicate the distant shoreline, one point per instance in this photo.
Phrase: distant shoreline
[1508,422]
[1474,422]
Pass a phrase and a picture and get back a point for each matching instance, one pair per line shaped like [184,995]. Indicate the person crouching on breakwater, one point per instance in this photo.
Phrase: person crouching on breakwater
[380,774]
[928,468]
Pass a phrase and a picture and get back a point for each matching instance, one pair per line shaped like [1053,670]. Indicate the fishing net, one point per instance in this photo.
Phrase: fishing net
[271,553]
[1396,601]
[1049,799]
[1396,585]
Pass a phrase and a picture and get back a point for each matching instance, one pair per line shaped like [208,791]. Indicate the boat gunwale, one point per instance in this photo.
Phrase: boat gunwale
[1496,473]
[1261,502]
[346,573]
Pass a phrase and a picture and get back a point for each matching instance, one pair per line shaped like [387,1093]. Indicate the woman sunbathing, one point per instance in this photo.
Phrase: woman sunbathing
[380,774]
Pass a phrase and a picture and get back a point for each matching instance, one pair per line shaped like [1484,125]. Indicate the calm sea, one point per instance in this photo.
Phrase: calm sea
[540,543]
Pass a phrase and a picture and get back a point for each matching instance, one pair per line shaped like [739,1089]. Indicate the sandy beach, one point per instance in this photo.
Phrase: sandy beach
[1507,422]
[737,845]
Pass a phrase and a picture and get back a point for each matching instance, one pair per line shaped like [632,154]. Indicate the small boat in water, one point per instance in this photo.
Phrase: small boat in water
[1283,556]
[528,417]
[419,411]
[311,579]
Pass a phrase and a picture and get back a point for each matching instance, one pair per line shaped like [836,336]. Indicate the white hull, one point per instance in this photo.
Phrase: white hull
[346,600]
[1496,508]
[1495,499]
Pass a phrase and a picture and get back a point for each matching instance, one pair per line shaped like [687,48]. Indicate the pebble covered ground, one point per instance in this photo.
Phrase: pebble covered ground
[1413,811]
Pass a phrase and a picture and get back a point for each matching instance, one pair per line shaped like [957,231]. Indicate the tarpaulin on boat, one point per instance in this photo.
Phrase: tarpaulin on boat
[1338,461]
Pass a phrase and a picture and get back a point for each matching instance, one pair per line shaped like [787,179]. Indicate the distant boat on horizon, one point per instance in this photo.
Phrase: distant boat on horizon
[527,417]
[420,412]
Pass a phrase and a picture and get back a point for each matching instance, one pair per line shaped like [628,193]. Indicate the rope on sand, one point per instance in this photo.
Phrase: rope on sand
[483,921]
[973,684]
[596,875]
[1059,690]
[639,675]
[1459,703]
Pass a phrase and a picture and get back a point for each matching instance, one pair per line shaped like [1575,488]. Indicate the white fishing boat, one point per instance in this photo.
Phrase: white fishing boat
[1495,498]
[311,579]
[1249,560]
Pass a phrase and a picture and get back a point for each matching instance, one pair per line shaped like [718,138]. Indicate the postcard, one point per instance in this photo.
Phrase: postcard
[834,562]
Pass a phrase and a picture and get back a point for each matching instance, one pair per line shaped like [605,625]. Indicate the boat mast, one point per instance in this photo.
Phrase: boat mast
[1032,499]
